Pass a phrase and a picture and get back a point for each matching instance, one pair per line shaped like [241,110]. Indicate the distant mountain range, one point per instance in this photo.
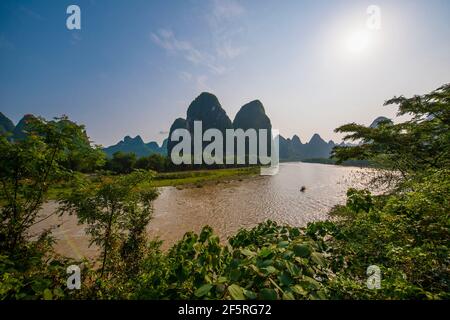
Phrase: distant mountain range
[14,131]
[137,146]
[6,125]
[207,108]
[294,149]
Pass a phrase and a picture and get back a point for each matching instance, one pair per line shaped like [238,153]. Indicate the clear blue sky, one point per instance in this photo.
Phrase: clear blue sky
[136,65]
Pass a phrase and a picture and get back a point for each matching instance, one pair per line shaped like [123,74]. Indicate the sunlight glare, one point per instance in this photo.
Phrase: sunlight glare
[358,41]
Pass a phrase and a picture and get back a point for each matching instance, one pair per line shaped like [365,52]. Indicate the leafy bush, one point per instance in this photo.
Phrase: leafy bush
[359,200]
[280,263]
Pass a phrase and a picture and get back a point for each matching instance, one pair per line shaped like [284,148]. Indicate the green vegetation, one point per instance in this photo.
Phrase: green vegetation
[411,147]
[113,209]
[404,232]
[123,163]
[196,177]
[29,165]
[154,162]
[165,179]
[170,174]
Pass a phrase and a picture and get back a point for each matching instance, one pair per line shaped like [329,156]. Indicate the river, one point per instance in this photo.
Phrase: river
[230,205]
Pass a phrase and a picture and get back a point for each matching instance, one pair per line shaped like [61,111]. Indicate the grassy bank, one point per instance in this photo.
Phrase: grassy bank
[198,177]
[191,178]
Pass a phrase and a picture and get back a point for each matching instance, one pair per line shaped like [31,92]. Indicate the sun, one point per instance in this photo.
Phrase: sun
[358,41]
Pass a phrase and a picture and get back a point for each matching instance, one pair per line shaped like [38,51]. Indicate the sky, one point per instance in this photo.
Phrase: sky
[134,66]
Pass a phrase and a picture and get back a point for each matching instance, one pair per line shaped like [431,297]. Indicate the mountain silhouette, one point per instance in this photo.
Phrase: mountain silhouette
[253,116]
[20,130]
[294,150]
[6,125]
[179,123]
[207,109]
[375,123]
[137,146]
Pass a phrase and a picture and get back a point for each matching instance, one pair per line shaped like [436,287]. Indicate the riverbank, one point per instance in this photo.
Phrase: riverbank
[181,179]
[198,178]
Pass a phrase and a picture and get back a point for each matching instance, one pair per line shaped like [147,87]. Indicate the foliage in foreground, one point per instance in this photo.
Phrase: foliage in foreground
[405,235]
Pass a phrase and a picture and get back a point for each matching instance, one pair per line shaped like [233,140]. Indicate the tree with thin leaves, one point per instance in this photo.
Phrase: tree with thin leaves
[421,143]
[116,213]
[29,165]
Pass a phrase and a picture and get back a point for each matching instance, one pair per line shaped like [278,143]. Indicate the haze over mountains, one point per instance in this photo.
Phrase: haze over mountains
[207,108]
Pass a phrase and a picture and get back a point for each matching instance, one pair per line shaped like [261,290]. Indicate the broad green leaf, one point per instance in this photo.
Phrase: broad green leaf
[203,290]
[270,269]
[318,258]
[235,274]
[250,294]
[288,296]
[302,250]
[268,294]
[292,269]
[287,254]
[283,244]
[299,290]
[319,295]
[309,283]
[264,252]
[247,252]
[236,292]
[285,279]
[265,263]
[48,294]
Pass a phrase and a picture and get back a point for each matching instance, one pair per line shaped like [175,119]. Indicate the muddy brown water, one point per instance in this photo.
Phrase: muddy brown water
[228,206]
